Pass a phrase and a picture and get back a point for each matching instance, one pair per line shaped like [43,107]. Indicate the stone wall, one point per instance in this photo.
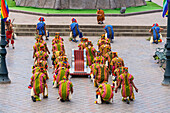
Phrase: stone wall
[80,4]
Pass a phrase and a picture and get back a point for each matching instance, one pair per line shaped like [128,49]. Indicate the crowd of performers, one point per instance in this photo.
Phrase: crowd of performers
[103,63]
[60,65]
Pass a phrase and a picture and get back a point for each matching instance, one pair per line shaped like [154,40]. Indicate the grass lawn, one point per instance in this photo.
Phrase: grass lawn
[149,6]
[11,3]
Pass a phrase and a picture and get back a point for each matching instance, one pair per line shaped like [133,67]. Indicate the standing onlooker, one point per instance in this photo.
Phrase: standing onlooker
[9,33]
[100,16]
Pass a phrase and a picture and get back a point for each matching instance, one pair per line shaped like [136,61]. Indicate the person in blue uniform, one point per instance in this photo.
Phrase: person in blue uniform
[109,32]
[41,27]
[74,28]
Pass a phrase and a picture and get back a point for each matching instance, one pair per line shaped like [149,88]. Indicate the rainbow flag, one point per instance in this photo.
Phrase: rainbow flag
[4,10]
[165,8]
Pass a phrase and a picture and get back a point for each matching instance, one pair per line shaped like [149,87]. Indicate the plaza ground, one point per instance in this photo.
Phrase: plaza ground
[137,54]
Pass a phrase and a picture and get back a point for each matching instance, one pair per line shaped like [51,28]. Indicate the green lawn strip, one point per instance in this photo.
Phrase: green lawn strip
[148,7]
[10,3]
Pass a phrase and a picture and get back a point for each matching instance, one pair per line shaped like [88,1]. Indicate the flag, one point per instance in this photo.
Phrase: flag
[4,10]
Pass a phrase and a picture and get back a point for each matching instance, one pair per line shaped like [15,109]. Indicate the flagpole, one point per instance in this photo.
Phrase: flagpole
[3,68]
[166,80]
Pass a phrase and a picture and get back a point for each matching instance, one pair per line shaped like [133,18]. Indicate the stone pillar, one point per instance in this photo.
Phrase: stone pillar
[131,3]
[18,2]
[65,4]
[103,4]
[22,2]
[112,4]
[49,4]
[57,4]
[41,3]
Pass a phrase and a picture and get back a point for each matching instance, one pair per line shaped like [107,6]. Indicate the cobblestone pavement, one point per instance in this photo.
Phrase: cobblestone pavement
[137,54]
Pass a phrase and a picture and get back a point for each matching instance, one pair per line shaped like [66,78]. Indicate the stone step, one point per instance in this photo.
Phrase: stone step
[87,26]
[91,34]
[83,30]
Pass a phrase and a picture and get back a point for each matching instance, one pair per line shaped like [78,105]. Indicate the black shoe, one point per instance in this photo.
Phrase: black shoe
[119,87]
[13,47]
[130,99]
[7,46]
[33,98]
[62,100]
[156,42]
[45,96]
[127,101]
[111,41]
[47,39]
[154,56]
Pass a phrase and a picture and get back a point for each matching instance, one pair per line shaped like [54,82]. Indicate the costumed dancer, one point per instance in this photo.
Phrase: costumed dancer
[60,73]
[103,38]
[109,33]
[58,47]
[40,55]
[104,93]
[57,39]
[104,48]
[117,62]
[9,33]
[38,86]
[91,53]
[41,27]
[74,28]
[102,74]
[83,44]
[40,45]
[109,56]
[156,36]
[93,68]
[65,90]
[126,80]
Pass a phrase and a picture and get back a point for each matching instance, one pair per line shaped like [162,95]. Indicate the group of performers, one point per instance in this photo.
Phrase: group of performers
[38,83]
[60,64]
[61,77]
[104,63]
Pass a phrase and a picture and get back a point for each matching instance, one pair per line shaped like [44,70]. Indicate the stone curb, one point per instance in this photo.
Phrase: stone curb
[128,14]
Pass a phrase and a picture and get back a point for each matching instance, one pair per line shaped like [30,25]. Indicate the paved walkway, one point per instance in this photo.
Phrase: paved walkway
[142,20]
[137,54]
